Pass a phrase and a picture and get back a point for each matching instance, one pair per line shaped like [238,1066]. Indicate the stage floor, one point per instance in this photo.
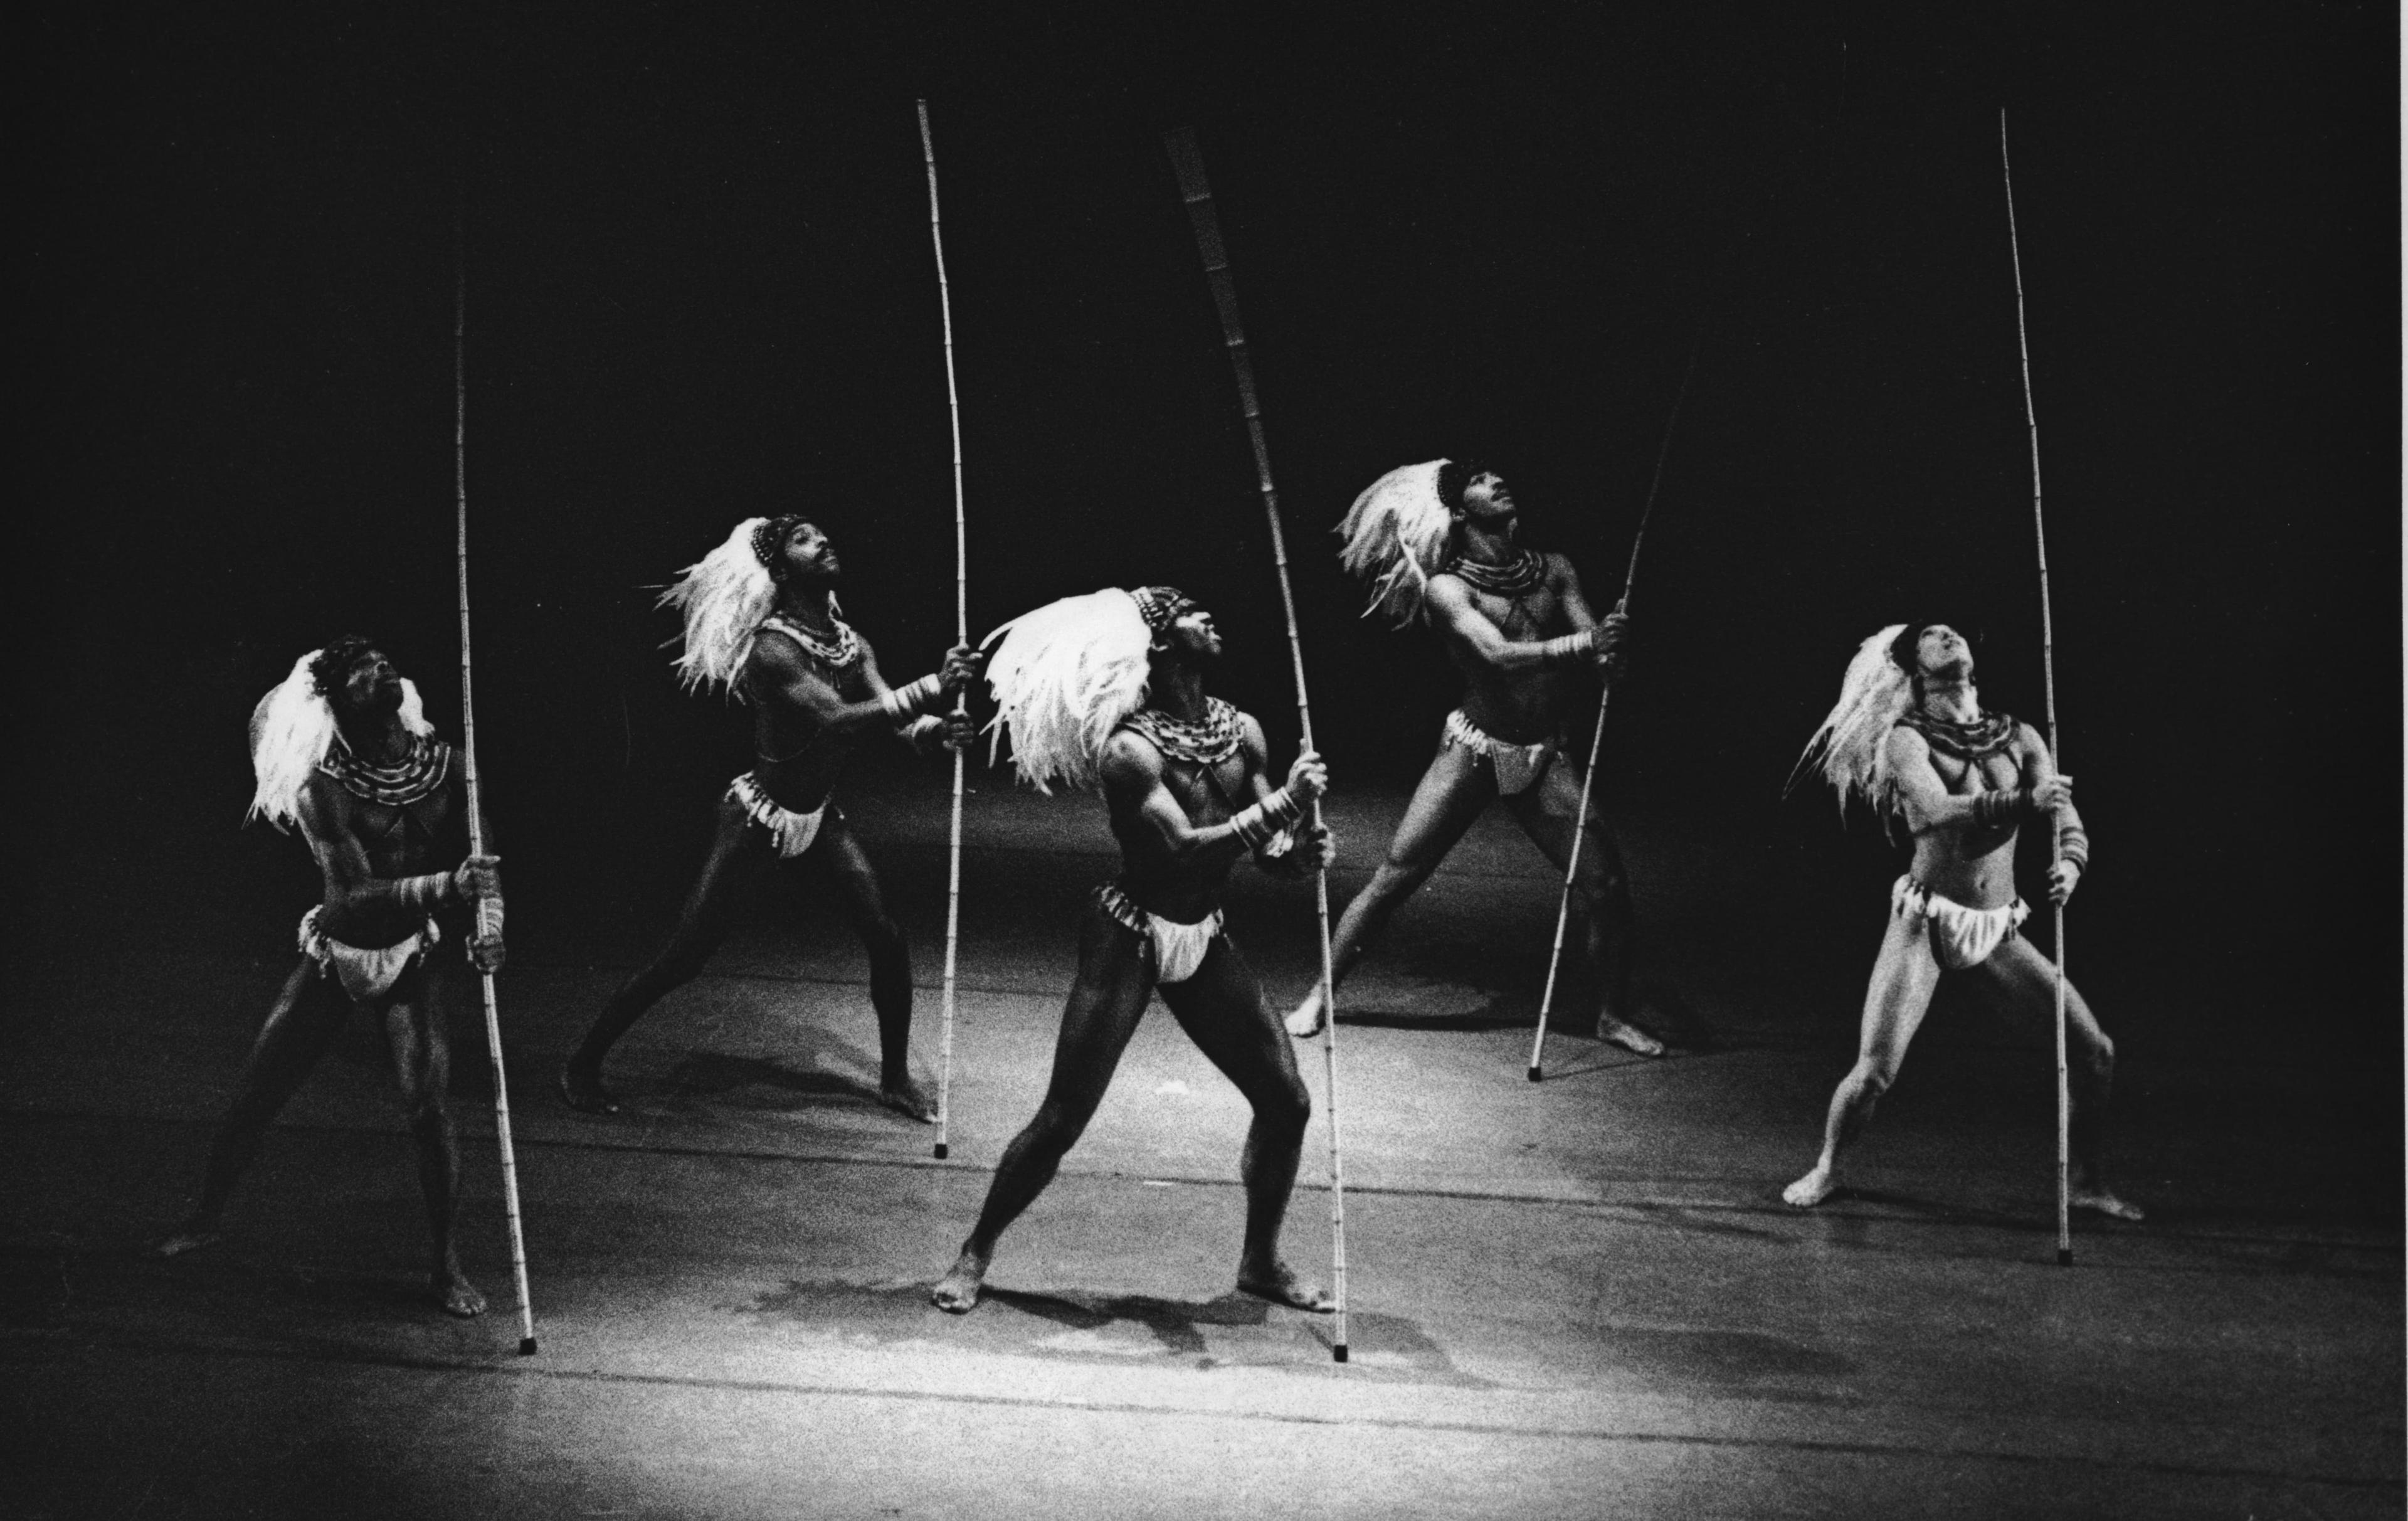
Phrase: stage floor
[1579,1298]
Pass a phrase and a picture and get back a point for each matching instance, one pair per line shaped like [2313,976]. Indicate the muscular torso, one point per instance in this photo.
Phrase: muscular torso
[1184,891]
[795,757]
[1520,707]
[1965,862]
[409,841]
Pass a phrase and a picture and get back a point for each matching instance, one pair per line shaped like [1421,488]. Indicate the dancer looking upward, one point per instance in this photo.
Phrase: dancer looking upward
[1440,541]
[1108,690]
[762,621]
[343,748]
[1909,738]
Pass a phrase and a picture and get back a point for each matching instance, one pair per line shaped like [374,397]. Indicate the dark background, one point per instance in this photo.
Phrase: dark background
[701,287]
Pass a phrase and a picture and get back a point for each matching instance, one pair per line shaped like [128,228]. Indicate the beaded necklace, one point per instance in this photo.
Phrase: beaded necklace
[1205,741]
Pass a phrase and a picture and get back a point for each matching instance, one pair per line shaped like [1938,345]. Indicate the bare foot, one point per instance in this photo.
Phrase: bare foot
[1629,1037]
[189,1239]
[903,1097]
[1306,1021]
[2103,1201]
[456,1295]
[1812,1189]
[1281,1286]
[580,1089]
[957,1292]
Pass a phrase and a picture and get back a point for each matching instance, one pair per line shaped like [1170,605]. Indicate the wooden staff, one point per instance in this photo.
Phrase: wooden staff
[2048,681]
[1187,163]
[485,929]
[961,636]
[1597,740]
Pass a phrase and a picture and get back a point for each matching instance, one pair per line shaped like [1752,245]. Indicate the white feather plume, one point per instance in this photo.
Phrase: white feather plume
[1397,536]
[1063,678]
[724,598]
[292,728]
[1852,748]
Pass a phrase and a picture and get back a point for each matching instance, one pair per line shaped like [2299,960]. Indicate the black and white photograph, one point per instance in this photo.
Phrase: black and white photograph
[894,760]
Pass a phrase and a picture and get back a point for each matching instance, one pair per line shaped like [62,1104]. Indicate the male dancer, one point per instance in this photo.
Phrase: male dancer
[343,746]
[1440,541]
[1108,689]
[1909,738]
[761,620]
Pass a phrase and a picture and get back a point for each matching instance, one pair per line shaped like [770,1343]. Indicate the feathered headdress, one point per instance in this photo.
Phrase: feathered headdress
[1063,678]
[292,728]
[1397,538]
[724,597]
[1852,748]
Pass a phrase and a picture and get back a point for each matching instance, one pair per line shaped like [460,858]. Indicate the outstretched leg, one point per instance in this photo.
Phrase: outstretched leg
[1222,1010]
[1450,796]
[1115,979]
[301,1024]
[838,858]
[422,1060]
[701,924]
[1548,812]
[2029,979]
[1904,977]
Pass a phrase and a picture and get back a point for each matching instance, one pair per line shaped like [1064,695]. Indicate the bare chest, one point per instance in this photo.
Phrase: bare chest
[1535,614]
[2000,772]
[1208,794]
[403,835]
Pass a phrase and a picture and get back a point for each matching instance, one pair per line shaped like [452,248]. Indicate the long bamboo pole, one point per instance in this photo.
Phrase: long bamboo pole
[961,636]
[2048,677]
[1187,163]
[475,805]
[1597,740]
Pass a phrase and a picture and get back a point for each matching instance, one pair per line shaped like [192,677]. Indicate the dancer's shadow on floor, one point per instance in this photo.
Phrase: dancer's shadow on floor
[712,1074]
[1177,1324]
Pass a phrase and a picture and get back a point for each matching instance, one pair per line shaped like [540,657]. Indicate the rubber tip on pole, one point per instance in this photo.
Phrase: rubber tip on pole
[1534,1072]
[2065,1256]
[1338,1352]
[943,1151]
[526,1346]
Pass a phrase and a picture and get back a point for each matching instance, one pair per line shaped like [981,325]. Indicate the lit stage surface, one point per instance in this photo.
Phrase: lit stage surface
[1582,1298]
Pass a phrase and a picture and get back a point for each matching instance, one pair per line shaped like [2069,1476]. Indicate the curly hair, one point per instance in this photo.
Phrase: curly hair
[331,665]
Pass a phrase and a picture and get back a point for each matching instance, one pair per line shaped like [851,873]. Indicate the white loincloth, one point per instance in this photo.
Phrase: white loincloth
[793,831]
[1960,937]
[365,975]
[1518,767]
[1178,949]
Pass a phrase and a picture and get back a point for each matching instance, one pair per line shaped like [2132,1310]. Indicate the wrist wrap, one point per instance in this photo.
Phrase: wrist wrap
[421,894]
[1993,810]
[1259,823]
[2073,845]
[905,701]
[1564,649]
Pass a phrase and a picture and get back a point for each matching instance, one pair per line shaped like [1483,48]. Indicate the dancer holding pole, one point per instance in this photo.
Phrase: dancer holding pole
[342,748]
[961,637]
[1440,540]
[762,622]
[1187,164]
[1106,691]
[1597,740]
[1909,738]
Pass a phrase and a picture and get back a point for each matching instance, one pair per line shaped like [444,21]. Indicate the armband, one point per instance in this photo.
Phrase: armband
[1258,824]
[2073,845]
[905,701]
[1993,810]
[423,895]
[1564,649]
